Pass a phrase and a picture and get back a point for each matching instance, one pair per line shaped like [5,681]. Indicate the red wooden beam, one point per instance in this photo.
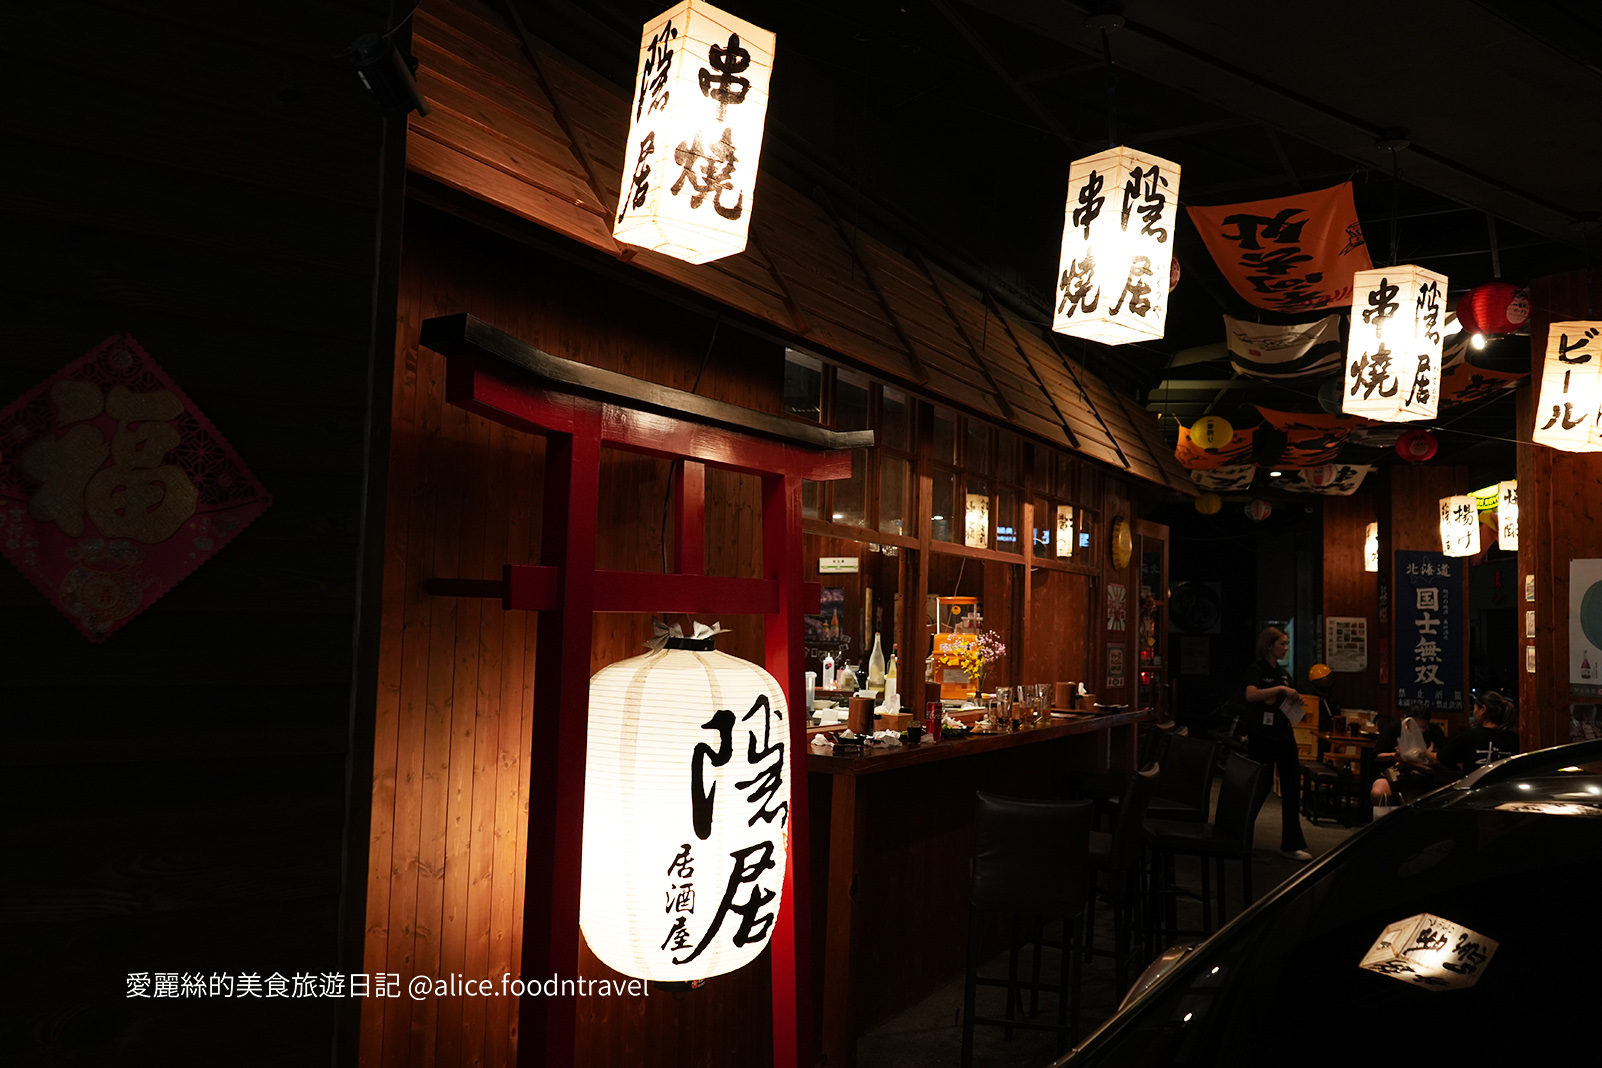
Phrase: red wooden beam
[537,588]
[689,518]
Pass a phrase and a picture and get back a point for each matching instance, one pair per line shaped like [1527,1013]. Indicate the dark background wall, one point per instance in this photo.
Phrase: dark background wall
[207,178]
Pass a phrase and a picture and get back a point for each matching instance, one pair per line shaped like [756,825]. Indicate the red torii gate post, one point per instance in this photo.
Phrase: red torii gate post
[579,409]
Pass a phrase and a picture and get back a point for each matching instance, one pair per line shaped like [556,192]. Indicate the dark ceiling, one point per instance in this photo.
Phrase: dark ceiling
[950,124]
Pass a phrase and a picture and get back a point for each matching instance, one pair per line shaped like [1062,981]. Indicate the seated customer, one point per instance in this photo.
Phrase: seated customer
[1411,748]
[1488,740]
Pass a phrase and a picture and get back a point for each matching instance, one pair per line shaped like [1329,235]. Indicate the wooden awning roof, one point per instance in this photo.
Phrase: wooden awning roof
[544,140]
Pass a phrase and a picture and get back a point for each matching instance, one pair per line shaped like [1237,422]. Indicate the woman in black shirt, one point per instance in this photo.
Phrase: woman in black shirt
[1269,738]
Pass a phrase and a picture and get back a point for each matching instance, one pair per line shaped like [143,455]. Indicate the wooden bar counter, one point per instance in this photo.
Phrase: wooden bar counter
[892,833]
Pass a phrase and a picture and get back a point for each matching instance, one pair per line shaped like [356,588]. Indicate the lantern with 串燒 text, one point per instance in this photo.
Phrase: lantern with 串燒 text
[1507,514]
[1571,388]
[686,810]
[1393,358]
[1460,526]
[1117,247]
[695,134]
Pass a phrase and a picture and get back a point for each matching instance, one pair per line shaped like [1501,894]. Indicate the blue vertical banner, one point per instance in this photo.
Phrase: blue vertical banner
[1428,610]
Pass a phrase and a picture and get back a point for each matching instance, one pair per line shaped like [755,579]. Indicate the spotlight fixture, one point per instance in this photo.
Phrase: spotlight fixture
[388,75]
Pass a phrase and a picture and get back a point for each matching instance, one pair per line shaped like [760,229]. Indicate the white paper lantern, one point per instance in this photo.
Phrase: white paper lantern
[1065,531]
[1117,247]
[1430,952]
[686,814]
[976,525]
[1571,388]
[1460,526]
[1371,547]
[695,134]
[1393,358]
[1507,515]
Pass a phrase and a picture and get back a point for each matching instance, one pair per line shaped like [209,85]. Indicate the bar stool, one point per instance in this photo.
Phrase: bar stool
[1118,855]
[1185,787]
[1228,837]
[1029,860]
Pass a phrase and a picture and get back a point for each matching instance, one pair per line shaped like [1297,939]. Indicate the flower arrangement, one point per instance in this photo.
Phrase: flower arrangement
[971,657]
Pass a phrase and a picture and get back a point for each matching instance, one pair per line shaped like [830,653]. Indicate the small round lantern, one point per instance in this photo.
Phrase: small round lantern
[1173,273]
[686,805]
[1321,476]
[1494,308]
[1258,510]
[1211,432]
[1416,445]
[1209,503]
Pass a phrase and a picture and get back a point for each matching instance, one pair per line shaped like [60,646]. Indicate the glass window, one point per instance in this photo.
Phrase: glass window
[1007,457]
[1007,520]
[895,417]
[850,400]
[1063,485]
[978,458]
[892,494]
[945,524]
[850,494]
[1045,527]
[803,386]
[945,437]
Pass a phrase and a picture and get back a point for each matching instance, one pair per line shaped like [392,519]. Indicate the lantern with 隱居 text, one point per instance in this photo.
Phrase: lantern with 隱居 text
[1571,388]
[1507,514]
[1460,526]
[686,811]
[1393,357]
[1117,247]
[695,134]
[1371,547]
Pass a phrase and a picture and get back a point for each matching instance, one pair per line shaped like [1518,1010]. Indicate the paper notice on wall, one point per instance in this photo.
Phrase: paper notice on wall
[1346,643]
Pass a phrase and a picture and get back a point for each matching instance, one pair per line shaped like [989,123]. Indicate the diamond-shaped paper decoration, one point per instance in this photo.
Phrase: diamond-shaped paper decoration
[114,486]
[1430,952]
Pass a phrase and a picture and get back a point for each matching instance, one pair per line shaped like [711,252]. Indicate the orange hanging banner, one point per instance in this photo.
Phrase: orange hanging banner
[1288,254]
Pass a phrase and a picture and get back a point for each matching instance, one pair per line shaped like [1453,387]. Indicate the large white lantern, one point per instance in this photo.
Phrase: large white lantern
[1507,514]
[695,134]
[1117,247]
[1571,388]
[1393,358]
[1460,526]
[686,812]
[1371,547]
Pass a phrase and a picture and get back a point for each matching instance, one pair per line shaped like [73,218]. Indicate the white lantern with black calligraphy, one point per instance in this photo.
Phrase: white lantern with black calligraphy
[1571,388]
[695,134]
[1371,547]
[1393,358]
[1117,247]
[686,812]
[1460,526]
[1507,515]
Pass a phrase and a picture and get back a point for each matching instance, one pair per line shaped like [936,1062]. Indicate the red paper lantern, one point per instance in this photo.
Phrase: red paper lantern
[1258,510]
[1494,308]
[1416,445]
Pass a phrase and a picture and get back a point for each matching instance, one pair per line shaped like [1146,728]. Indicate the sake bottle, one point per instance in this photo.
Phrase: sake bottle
[876,666]
[828,671]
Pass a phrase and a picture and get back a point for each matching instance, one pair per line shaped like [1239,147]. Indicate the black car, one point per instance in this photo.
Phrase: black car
[1458,930]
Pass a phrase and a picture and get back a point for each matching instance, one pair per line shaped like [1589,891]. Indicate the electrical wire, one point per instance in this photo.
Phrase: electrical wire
[667,498]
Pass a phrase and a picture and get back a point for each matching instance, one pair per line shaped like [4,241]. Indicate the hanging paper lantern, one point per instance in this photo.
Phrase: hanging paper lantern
[1416,445]
[1571,388]
[1065,531]
[1494,308]
[1393,358]
[1258,510]
[686,809]
[1330,392]
[1211,432]
[1460,526]
[1507,514]
[1371,547]
[976,526]
[1209,503]
[1113,274]
[695,134]
[1322,475]
[1173,273]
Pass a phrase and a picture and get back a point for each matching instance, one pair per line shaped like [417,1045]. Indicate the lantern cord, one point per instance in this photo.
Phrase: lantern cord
[396,28]
[667,498]
[1396,188]
[1112,93]
[1496,253]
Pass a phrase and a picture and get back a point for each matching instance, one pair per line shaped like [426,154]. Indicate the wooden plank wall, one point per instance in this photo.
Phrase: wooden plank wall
[208,180]
[456,722]
[1559,516]
[1348,590]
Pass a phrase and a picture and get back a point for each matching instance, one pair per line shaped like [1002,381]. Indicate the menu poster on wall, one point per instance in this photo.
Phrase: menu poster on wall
[1346,643]
[1429,631]
[1585,625]
[1115,667]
